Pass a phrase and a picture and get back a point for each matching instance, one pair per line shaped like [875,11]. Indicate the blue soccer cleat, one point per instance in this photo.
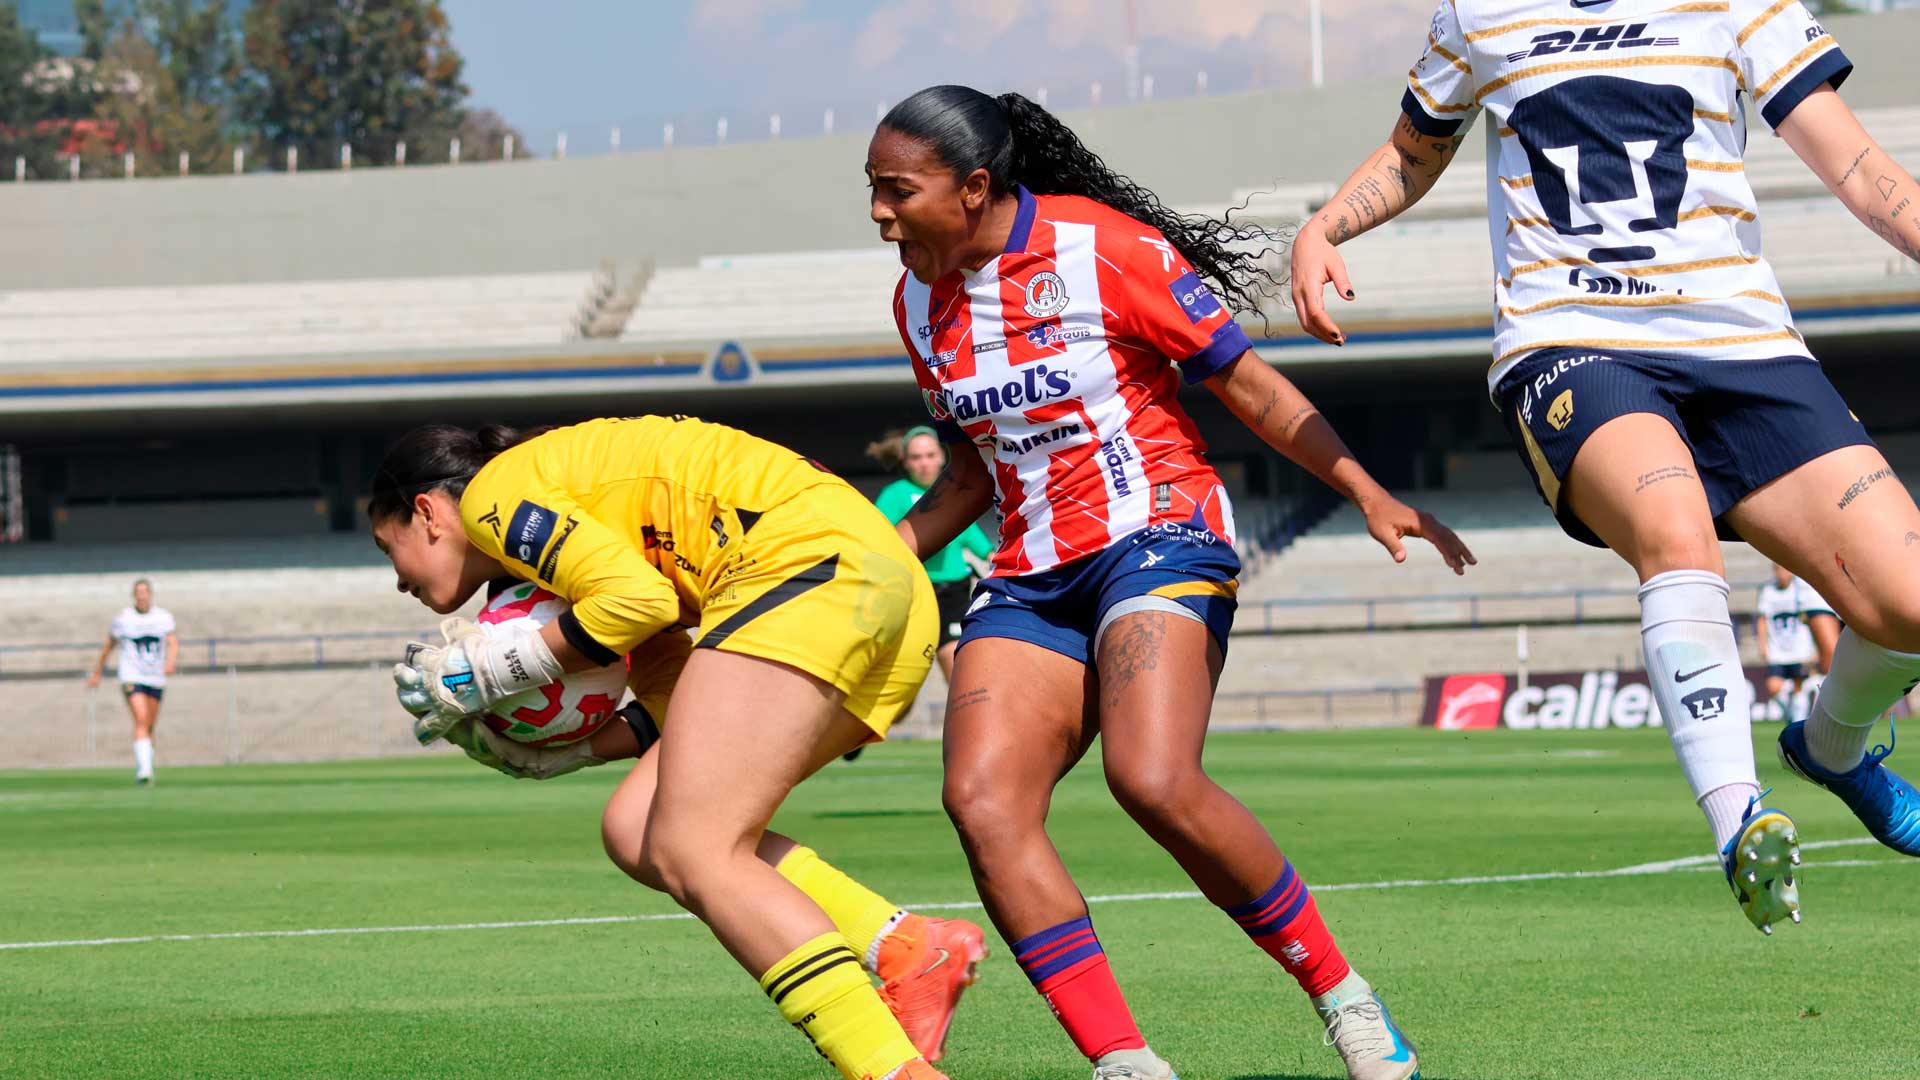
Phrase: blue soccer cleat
[1884,802]
[1759,862]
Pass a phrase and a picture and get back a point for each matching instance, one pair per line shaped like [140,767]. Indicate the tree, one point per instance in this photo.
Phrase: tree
[361,73]
[483,137]
[22,106]
[148,113]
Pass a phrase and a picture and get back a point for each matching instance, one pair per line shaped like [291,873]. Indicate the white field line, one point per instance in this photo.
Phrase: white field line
[1689,864]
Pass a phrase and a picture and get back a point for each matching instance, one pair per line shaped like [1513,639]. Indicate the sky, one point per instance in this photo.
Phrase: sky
[582,68]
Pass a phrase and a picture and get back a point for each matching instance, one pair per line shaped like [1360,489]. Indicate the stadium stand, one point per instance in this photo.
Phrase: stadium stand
[284,319]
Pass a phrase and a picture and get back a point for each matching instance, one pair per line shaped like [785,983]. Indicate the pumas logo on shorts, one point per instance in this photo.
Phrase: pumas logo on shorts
[979,601]
[1560,413]
[1046,295]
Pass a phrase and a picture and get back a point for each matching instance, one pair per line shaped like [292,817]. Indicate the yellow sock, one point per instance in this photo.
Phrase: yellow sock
[821,989]
[860,914]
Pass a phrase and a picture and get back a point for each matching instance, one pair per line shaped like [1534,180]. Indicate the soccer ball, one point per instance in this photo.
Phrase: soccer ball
[565,711]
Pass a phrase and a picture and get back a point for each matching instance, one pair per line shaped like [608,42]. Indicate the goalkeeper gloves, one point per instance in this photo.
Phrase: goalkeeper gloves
[441,684]
[517,760]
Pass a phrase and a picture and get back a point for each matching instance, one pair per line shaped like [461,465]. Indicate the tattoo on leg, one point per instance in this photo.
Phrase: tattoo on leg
[1859,487]
[1665,472]
[1137,650]
[978,696]
[1912,538]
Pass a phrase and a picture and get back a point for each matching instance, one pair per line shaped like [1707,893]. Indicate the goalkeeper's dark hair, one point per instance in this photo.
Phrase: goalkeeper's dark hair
[436,457]
[1018,142]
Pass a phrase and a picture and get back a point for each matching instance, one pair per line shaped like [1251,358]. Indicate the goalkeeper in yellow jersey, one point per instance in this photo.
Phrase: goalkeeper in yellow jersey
[812,628]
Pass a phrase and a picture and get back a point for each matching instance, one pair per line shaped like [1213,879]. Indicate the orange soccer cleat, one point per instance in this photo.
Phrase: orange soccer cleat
[917,1069]
[926,964]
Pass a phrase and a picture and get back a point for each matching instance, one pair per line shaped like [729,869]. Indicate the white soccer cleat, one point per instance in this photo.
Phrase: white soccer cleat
[1360,1028]
[1141,1064]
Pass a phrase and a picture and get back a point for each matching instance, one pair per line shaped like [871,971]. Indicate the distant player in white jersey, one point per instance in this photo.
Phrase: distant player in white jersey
[1786,641]
[149,649]
[1648,368]
[1823,623]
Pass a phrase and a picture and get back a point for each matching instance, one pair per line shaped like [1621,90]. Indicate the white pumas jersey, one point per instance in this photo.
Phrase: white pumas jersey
[1784,610]
[1617,196]
[143,645]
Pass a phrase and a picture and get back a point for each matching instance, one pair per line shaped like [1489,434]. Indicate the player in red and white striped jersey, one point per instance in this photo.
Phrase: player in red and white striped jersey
[1046,305]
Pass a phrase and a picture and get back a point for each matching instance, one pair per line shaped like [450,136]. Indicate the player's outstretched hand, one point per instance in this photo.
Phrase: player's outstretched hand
[1315,266]
[1390,521]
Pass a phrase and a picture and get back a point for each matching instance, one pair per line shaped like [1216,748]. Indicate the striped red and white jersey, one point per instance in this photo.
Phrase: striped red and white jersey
[1617,194]
[1056,361]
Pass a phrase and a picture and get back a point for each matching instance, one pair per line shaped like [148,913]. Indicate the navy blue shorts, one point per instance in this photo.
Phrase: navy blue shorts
[1061,609]
[1746,422]
[1789,672]
[154,692]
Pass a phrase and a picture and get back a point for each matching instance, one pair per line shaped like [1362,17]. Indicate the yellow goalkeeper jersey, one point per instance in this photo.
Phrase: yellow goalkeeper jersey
[634,520]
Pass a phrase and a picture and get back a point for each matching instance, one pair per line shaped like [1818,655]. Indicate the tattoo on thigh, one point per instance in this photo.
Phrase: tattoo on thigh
[1134,649]
[1665,472]
[1912,538]
[978,696]
[1859,487]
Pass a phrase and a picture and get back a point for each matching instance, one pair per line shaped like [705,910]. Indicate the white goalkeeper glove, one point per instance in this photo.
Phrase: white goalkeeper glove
[440,684]
[518,760]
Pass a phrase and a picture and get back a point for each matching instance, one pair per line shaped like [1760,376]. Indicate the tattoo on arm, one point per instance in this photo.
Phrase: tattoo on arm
[1293,421]
[1273,399]
[1388,165]
[1855,167]
[1891,234]
[1342,230]
[1132,648]
[1665,472]
[1912,538]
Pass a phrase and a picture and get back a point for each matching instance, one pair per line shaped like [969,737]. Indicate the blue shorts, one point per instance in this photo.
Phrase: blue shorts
[1746,422]
[154,692]
[1061,609]
[1789,672]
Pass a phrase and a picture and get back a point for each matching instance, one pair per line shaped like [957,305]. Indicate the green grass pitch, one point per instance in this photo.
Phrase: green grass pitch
[1625,976]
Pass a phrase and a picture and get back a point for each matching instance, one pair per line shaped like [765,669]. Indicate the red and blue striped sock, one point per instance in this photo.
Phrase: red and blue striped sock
[1069,968]
[1285,922]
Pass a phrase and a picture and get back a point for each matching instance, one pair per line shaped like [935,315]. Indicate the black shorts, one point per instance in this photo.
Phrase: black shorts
[952,598]
[154,692]
[1746,422]
[1789,672]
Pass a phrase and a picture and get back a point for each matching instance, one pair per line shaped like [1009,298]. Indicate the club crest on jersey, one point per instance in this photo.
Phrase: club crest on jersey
[1046,295]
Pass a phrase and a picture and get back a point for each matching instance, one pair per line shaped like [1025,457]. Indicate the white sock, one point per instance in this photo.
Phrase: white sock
[1865,681]
[143,757]
[1693,664]
[1726,809]
[1351,988]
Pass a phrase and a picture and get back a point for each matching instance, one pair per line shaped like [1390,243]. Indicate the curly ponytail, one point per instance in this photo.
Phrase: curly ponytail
[1019,142]
[436,457]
